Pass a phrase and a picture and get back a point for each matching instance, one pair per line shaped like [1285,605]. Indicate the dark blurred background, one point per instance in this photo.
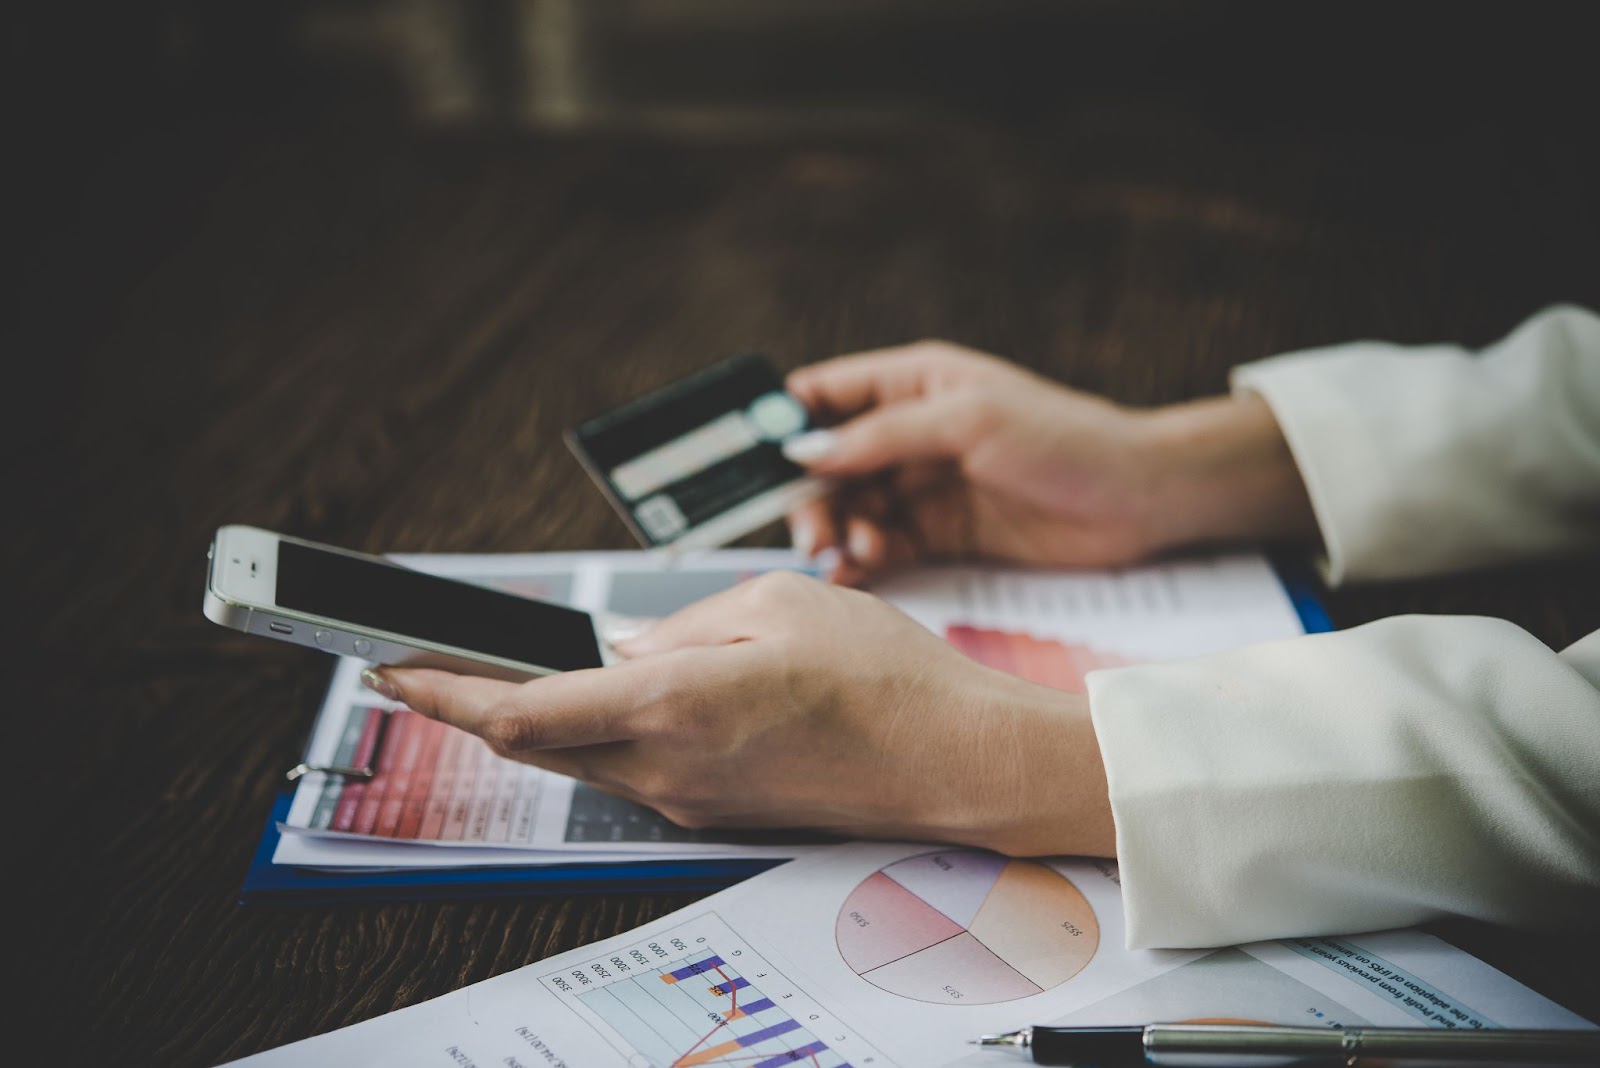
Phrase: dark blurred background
[131,123]
[126,119]
[346,268]
[212,176]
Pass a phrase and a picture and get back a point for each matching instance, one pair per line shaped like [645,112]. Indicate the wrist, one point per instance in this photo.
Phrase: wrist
[1039,787]
[1221,471]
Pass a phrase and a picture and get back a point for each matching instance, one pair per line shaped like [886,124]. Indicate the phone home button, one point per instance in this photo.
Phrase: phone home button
[323,638]
[362,647]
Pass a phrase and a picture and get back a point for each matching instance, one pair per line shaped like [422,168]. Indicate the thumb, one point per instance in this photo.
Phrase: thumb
[464,701]
[917,430]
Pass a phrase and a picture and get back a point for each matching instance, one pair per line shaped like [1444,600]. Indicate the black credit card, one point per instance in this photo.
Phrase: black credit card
[699,463]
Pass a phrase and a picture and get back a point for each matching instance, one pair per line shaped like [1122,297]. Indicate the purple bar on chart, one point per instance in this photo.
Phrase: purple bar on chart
[768,1032]
[699,967]
[738,982]
[760,1005]
[783,1060]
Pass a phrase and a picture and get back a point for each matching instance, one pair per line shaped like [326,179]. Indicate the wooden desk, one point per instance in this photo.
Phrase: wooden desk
[376,338]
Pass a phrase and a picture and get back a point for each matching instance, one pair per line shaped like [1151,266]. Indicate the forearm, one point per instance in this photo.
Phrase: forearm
[1221,472]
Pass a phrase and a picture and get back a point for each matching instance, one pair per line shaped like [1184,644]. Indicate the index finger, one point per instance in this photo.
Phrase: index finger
[845,386]
[552,712]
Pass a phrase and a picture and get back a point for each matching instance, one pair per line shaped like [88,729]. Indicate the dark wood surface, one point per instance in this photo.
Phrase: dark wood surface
[370,335]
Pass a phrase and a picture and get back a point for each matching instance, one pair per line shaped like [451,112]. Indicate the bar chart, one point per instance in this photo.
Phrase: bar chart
[1042,660]
[702,1010]
[431,782]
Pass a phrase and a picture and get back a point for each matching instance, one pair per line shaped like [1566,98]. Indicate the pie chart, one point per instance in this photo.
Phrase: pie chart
[966,927]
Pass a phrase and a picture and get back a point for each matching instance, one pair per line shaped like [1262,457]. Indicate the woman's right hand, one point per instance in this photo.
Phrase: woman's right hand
[941,451]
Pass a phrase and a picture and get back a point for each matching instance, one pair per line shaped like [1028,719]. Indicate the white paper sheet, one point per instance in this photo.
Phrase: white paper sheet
[896,954]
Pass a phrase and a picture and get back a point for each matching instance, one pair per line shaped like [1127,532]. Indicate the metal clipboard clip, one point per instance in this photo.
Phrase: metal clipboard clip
[367,772]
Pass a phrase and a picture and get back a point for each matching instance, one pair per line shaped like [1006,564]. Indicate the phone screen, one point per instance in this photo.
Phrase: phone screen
[402,601]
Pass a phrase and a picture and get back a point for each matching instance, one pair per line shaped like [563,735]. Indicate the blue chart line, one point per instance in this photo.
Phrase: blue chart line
[701,1010]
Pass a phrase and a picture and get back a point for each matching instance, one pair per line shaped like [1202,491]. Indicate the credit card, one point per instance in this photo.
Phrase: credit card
[696,464]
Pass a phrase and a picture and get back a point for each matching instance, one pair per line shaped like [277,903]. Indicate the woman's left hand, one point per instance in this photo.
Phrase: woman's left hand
[786,702]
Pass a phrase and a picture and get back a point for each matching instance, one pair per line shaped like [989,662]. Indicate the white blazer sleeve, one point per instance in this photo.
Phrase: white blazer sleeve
[1433,459]
[1413,768]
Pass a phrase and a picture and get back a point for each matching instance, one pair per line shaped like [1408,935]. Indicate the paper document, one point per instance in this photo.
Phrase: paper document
[439,787]
[894,954]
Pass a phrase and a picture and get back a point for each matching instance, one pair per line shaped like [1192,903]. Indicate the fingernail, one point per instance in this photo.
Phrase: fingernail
[860,544]
[827,561]
[803,535]
[811,446]
[619,630]
[376,680]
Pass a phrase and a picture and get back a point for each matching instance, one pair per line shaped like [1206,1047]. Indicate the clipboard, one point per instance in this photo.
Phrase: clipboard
[1300,582]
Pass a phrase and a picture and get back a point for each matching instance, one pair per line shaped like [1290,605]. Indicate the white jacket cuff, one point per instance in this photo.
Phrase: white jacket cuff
[1429,460]
[1409,769]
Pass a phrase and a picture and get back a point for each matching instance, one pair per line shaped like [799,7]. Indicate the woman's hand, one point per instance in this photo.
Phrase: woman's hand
[943,451]
[786,702]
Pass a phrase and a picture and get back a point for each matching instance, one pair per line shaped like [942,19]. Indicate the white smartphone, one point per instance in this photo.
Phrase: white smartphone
[353,604]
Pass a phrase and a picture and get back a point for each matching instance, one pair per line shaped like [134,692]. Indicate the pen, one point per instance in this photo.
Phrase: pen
[1264,1045]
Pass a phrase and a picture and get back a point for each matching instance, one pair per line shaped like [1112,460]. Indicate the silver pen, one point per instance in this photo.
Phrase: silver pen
[1249,1046]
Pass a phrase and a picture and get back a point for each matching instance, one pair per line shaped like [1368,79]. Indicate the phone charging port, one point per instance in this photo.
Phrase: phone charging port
[280,628]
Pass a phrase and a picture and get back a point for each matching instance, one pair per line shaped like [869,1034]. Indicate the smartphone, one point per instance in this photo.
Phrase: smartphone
[353,604]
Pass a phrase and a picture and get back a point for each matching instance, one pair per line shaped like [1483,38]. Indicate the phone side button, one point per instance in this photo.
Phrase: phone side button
[323,638]
[362,647]
[280,628]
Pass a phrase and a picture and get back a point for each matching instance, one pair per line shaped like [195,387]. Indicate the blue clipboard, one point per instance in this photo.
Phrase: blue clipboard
[266,883]
[1302,586]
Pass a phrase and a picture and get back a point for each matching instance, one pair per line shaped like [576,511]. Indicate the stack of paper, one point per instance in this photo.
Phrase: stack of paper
[441,799]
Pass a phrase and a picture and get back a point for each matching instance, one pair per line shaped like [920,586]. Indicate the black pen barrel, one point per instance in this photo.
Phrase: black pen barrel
[1098,1046]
